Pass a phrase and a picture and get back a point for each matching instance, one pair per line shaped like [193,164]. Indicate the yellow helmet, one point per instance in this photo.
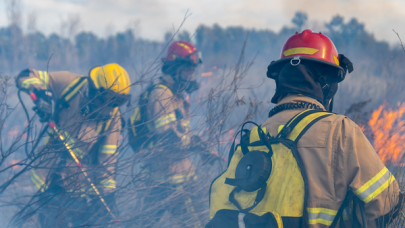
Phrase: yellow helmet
[111,77]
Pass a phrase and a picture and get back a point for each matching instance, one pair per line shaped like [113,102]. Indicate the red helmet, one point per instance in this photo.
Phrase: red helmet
[182,51]
[308,46]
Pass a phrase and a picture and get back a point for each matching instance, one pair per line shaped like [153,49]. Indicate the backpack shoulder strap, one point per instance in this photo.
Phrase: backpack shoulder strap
[300,123]
[293,131]
[145,96]
[71,90]
[139,112]
[67,94]
[162,87]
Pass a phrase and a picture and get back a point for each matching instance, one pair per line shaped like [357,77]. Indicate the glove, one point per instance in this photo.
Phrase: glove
[43,104]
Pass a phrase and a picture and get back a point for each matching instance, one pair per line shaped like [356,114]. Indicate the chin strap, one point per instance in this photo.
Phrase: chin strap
[329,90]
[329,104]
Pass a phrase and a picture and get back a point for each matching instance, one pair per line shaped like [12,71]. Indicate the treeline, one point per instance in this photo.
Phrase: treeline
[219,46]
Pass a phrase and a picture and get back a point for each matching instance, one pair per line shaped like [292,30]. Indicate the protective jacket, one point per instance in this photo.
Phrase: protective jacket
[342,172]
[167,119]
[93,135]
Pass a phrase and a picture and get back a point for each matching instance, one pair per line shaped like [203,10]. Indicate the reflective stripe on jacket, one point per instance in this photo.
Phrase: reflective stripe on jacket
[339,159]
[169,112]
[81,134]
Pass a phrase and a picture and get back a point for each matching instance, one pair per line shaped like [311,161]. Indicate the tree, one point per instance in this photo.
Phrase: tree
[299,19]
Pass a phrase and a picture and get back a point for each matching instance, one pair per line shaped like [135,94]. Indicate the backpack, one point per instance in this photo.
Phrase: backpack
[141,132]
[265,184]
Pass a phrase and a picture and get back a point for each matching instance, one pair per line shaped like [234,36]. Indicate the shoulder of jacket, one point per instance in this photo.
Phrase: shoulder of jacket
[344,122]
[64,74]
[26,72]
[161,90]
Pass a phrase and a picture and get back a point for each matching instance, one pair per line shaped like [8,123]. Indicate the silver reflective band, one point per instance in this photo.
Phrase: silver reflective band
[241,223]
[321,215]
[375,186]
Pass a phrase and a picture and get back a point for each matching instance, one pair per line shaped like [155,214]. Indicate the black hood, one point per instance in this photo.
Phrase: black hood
[299,79]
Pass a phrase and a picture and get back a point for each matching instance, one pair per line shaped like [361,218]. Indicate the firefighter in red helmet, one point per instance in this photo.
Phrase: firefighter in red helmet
[180,63]
[160,125]
[319,169]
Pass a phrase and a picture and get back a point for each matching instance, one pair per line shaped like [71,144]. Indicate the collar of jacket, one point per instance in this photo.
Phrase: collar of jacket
[292,98]
[168,81]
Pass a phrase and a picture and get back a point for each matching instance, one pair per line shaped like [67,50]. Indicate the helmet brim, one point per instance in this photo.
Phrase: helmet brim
[274,68]
[93,75]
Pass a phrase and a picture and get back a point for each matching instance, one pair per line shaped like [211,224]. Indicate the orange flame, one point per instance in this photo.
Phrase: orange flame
[388,128]
[13,162]
[13,132]
[206,74]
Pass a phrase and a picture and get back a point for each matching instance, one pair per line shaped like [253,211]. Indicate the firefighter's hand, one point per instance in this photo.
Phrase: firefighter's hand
[43,104]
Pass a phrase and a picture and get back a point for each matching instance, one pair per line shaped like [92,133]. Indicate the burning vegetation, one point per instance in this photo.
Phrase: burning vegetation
[228,96]
[388,132]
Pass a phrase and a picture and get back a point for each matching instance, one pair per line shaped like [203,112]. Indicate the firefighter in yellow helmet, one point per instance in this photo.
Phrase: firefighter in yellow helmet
[305,166]
[75,169]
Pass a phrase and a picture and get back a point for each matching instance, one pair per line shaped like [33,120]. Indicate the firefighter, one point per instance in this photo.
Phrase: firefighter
[81,148]
[160,126]
[307,167]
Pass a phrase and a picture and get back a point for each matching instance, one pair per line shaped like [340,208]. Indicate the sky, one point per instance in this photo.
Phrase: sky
[152,18]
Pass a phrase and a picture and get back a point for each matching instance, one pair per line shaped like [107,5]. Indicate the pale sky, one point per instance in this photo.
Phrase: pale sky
[155,17]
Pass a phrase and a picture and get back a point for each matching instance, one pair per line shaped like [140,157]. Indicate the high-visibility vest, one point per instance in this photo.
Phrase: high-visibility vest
[281,191]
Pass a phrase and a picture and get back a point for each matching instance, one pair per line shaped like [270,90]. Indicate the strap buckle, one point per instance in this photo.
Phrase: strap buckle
[295,61]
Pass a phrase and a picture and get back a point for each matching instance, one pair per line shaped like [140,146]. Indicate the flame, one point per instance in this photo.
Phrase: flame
[13,132]
[206,74]
[13,162]
[388,128]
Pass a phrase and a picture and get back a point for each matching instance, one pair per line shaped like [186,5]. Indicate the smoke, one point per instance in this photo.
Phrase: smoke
[159,16]
[377,14]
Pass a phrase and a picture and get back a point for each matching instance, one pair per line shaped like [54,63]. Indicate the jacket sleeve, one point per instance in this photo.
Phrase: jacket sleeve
[30,79]
[368,178]
[162,116]
[107,155]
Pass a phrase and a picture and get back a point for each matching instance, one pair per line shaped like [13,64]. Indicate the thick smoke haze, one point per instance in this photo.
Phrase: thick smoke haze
[237,39]
[154,17]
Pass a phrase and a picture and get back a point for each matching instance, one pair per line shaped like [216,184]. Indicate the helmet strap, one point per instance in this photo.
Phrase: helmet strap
[330,108]
[329,93]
